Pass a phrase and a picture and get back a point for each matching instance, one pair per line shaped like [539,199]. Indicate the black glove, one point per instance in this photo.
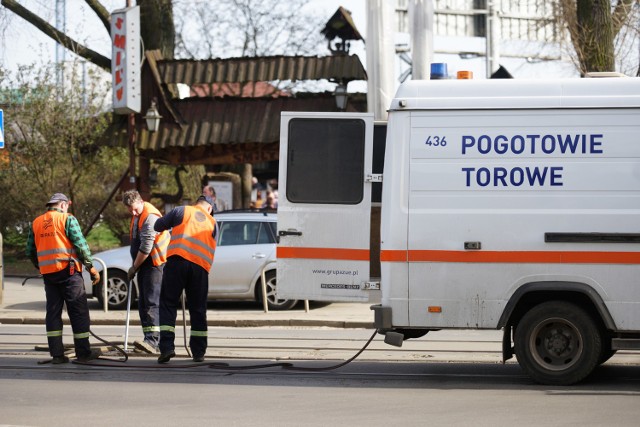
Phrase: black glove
[131,273]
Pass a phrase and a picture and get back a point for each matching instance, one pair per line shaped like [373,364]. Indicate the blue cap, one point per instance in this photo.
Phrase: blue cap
[439,71]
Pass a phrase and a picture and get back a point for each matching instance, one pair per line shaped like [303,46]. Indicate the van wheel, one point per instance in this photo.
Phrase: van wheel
[273,303]
[558,343]
[607,352]
[117,289]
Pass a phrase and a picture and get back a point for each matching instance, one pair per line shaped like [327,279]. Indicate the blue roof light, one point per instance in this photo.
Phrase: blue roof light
[439,71]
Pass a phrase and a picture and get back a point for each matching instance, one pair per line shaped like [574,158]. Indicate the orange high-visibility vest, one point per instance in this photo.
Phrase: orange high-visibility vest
[158,252]
[54,249]
[192,239]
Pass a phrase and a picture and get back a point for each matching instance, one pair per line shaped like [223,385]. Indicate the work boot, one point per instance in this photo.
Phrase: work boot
[145,347]
[165,357]
[59,360]
[93,355]
[198,358]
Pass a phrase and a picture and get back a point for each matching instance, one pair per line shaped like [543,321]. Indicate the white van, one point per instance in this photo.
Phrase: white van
[506,204]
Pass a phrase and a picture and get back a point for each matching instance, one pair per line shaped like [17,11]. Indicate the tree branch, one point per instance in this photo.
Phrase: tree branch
[620,14]
[66,41]
[102,13]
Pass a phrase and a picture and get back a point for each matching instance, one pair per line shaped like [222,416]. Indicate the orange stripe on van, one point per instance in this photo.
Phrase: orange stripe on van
[393,256]
[323,253]
[546,257]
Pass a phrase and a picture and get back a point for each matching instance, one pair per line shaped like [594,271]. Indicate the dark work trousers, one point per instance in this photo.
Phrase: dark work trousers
[149,283]
[181,274]
[61,289]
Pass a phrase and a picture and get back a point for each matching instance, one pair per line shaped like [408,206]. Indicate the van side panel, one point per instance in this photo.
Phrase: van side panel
[484,189]
[394,219]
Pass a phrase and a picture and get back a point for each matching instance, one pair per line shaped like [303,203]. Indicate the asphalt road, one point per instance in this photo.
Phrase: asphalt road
[409,387]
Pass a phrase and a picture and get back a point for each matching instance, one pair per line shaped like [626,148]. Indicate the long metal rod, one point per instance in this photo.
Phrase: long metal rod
[126,328]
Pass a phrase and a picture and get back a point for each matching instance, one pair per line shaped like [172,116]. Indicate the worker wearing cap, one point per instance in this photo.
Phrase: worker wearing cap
[189,259]
[58,249]
[149,254]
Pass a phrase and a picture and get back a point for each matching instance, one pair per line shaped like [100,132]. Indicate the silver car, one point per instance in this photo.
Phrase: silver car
[246,244]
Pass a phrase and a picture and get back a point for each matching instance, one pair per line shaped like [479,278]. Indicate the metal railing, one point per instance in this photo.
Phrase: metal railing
[105,283]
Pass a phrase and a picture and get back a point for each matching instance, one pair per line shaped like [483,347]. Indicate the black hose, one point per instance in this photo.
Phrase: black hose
[38,276]
[118,349]
[291,367]
[225,366]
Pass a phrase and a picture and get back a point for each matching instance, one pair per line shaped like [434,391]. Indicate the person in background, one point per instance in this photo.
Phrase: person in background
[209,193]
[58,249]
[189,259]
[272,201]
[259,201]
[149,254]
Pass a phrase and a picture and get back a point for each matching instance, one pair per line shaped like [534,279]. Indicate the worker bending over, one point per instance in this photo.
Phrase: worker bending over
[148,254]
[189,258]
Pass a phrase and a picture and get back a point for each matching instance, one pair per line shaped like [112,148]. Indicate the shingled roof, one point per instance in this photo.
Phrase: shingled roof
[262,69]
[219,130]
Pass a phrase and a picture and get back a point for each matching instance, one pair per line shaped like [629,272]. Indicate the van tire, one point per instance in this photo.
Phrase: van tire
[558,343]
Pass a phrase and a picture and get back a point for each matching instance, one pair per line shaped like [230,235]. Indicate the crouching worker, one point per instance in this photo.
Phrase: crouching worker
[148,252]
[189,259]
[58,249]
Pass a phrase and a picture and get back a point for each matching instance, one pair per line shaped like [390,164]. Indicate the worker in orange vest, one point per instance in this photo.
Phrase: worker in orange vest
[189,259]
[149,254]
[58,249]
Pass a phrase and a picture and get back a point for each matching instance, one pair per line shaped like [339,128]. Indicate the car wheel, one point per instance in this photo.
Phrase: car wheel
[274,303]
[558,343]
[117,289]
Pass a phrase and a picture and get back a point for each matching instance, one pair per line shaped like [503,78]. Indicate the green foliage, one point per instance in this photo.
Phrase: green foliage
[54,140]
[14,241]
[101,238]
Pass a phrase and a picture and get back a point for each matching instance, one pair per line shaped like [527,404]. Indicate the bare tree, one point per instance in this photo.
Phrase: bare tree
[157,29]
[236,28]
[246,28]
[600,30]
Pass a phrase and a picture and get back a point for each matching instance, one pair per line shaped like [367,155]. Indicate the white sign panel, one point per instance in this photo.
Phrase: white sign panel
[224,194]
[1,129]
[125,60]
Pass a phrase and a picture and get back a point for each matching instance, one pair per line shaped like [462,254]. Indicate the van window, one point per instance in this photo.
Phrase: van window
[325,161]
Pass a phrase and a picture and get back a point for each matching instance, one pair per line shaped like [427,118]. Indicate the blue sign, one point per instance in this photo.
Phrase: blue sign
[1,130]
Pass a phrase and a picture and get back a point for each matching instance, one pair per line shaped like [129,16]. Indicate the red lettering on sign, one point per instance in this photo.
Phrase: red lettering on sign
[120,41]
[118,77]
[119,23]
[119,93]
[118,59]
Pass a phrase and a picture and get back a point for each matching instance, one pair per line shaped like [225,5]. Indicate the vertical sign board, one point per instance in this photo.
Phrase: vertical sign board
[125,60]
[1,129]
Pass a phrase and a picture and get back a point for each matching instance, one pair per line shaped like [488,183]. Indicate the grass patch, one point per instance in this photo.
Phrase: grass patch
[101,238]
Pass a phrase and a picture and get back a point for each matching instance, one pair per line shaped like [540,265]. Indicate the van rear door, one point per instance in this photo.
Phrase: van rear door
[324,206]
